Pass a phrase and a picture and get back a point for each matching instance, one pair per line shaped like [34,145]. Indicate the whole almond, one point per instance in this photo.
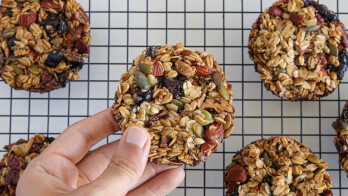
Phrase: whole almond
[82,46]
[214,133]
[237,174]
[275,11]
[203,71]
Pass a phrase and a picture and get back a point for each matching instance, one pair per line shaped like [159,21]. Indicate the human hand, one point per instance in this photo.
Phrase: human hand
[117,168]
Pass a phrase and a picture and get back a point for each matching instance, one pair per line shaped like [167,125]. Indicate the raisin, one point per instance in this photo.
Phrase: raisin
[307,2]
[49,139]
[322,10]
[12,177]
[151,52]
[267,179]
[54,58]
[332,17]
[142,96]
[175,86]
[343,64]
[8,13]
[11,42]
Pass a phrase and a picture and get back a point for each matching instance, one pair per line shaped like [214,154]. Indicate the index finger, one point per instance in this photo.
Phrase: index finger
[76,140]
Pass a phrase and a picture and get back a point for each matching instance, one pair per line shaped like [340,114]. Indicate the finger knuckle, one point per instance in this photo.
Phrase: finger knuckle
[127,167]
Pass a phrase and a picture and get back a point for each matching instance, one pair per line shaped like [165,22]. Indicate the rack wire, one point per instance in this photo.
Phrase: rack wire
[121,29]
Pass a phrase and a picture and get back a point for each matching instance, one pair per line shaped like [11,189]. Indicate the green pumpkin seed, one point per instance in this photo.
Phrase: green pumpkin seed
[8,34]
[224,92]
[217,79]
[313,28]
[292,87]
[207,116]
[266,159]
[280,70]
[142,81]
[333,49]
[178,103]
[12,58]
[34,69]
[149,112]
[344,124]
[145,68]
[17,70]
[268,189]
[198,130]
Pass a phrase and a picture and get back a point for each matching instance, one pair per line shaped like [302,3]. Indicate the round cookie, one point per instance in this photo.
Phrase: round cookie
[277,166]
[341,141]
[300,49]
[18,156]
[182,97]
[43,43]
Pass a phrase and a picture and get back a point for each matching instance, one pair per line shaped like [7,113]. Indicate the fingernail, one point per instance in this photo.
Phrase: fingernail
[136,136]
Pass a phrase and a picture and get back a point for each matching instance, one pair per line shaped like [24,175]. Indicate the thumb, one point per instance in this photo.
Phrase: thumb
[126,166]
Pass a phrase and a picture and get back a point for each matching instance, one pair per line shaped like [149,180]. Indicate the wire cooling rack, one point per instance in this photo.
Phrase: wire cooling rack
[121,29]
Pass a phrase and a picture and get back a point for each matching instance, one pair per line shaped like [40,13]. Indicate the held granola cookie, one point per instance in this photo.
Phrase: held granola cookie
[277,166]
[43,43]
[182,97]
[300,49]
[18,156]
[341,141]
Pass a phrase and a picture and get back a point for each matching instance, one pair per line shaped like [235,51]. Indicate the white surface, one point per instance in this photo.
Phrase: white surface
[52,113]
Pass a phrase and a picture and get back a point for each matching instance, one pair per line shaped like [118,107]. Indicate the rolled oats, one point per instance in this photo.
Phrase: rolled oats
[294,36]
[43,43]
[182,97]
[277,166]
[18,156]
[341,141]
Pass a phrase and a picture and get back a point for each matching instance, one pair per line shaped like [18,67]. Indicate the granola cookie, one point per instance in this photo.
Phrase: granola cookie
[300,49]
[277,166]
[18,156]
[43,43]
[341,141]
[182,97]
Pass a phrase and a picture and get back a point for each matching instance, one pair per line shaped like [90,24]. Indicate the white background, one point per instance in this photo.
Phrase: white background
[121,30]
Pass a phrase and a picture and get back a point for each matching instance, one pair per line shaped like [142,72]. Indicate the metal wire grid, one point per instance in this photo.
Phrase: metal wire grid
[259,114]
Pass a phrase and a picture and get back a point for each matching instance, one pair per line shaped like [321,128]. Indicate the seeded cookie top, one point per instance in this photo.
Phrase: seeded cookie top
[184,100]
[300,49]
[18,156]
[277,166]
[43,43]
[341,141]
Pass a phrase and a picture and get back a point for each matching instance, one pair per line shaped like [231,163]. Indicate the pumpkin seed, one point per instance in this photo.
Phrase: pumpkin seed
[292,87]
[198,130]
[281,70]
[142,81]
[333,49]
[217,79]
[207,116]
[178,103]
[149,112]
[266,159]
[17,70]
[34,69]
[8,34]
[268,189]
[224,92]
[145,68]
[12,58]
[344,124]
[313,28]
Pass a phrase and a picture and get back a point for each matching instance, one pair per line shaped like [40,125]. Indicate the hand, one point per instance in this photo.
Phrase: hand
[117,168]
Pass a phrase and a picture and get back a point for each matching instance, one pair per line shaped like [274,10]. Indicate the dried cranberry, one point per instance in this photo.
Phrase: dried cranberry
[14,163]
[54,58]
[151,52]
[141,96]
[327,192]
[12,177]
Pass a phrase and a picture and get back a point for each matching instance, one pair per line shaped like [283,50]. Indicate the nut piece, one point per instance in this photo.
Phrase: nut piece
[26,19]
[82,46]
[275,11]
[203,71]
[296,18]
[237,174]
[214,133]
[49,4]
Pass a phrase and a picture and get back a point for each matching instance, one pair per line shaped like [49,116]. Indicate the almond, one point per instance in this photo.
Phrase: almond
[214,133]
[82,46]
[237,174]
[26,19]
[275,11]
[184,68]
[206,148]
[49,4]
[185,53]
[203,71]
[157,69]
[296,18]
[80,16]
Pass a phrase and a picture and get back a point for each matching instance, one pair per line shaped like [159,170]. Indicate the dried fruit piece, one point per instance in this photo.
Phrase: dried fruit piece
[296,18]
[54,58]
[214,133]
[26,19]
